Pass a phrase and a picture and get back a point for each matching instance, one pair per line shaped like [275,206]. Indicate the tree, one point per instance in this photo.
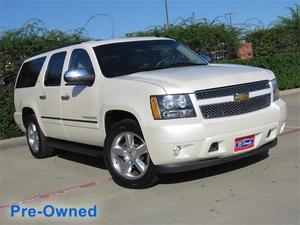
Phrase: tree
[18,44]
[292,21]
[283,37]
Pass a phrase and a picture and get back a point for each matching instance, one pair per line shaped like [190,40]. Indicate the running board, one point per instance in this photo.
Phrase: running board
[90,150]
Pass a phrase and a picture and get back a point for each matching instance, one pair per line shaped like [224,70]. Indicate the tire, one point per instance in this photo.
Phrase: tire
[126,156]
[36,140]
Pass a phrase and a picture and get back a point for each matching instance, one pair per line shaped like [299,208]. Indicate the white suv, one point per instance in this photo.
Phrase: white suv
[147,105]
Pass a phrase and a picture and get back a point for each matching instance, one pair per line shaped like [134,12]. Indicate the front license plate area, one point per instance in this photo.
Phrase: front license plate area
[244,143]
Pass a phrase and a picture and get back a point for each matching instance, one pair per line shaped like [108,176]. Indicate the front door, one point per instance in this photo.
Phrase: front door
[80,103]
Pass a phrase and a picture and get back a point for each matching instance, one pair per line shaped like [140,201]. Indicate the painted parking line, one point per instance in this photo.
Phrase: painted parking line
[63,191]
[290,132]
[290,126]
[41,197]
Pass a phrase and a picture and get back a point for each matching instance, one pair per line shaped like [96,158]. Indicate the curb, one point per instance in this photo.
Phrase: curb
[290,91]
[12,142]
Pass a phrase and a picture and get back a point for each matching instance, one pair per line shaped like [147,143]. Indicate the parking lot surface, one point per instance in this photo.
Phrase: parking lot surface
[263,189]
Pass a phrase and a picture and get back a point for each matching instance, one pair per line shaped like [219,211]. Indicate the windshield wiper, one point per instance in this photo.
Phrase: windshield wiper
[135,71]
[180,64]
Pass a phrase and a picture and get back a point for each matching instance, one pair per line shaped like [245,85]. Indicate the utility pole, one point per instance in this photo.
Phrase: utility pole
[230,20]
[167,14]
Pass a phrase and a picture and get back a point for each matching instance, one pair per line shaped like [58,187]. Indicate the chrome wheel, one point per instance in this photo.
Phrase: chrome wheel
[129,154]
[33,137]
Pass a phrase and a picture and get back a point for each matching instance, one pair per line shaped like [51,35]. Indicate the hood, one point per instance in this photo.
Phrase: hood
[192,78]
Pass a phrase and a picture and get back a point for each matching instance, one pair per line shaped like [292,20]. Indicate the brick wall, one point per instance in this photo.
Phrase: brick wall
[245,51]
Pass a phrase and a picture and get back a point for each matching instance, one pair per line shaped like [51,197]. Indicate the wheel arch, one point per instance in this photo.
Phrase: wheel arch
[113,116]
[27,110]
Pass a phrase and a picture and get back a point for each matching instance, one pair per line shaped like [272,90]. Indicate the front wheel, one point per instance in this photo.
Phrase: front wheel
[127,157]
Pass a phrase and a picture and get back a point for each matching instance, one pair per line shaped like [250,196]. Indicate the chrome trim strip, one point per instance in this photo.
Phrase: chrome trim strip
[230,98]
[67,119]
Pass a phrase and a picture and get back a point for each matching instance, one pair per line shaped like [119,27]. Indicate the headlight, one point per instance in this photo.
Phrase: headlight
[275,90]
[172,106]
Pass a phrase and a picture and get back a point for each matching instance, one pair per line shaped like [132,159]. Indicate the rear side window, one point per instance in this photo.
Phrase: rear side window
[54,70]
[30,72]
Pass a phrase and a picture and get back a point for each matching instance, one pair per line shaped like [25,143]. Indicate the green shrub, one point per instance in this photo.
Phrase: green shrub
[286,67]
[215,40]
[275,40]
[283,37]
[8,127]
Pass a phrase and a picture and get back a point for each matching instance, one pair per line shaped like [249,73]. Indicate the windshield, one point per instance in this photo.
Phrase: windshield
[119,59]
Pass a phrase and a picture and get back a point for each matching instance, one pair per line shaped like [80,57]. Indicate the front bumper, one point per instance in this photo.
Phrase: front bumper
[194,136]
[194,165]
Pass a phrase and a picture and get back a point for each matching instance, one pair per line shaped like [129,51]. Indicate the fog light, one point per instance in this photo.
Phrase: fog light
[214,147]
[177,150]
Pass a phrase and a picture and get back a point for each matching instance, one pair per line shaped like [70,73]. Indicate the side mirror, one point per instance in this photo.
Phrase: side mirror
[206,58]
[79,77]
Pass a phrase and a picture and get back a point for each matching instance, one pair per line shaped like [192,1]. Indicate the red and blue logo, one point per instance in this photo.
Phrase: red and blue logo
[244,143]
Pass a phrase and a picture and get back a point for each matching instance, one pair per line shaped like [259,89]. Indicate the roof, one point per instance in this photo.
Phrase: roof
[119,40]
[96,43]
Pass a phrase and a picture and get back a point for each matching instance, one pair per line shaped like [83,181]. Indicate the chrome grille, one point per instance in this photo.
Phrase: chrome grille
[235,108]
[232,90]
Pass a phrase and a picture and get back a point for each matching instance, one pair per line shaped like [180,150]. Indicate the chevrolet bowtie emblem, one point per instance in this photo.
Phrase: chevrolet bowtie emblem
[241,97]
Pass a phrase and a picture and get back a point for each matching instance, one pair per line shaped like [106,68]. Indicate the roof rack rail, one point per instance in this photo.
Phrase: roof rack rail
[59,46]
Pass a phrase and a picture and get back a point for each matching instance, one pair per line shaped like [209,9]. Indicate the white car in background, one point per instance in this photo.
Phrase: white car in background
[147,105]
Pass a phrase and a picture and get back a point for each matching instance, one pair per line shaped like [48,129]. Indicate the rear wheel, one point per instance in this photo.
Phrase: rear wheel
[36,140]
[127,157]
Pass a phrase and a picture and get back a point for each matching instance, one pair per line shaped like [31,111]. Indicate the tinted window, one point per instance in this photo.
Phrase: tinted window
[54,70]
[119,59]
[80,60]
[30,72]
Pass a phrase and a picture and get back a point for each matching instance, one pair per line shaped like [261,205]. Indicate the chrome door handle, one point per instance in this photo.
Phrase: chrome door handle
[42,97]
[65,97]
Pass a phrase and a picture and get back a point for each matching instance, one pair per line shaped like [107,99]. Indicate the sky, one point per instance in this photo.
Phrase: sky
[132,15]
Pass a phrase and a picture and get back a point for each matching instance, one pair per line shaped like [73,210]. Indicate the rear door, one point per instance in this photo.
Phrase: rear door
[50,98]
[80,104]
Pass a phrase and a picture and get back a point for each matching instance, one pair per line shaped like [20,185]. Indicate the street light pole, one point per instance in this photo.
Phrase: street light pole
[108,17]
[167,14]
[230,20]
